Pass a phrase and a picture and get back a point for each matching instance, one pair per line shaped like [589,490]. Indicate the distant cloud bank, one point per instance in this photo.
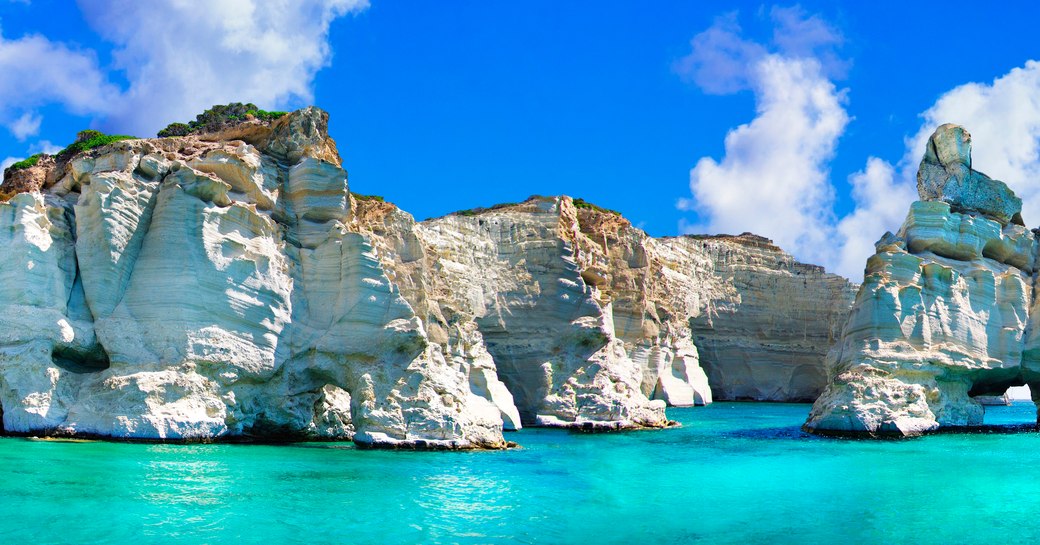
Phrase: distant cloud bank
[774,178]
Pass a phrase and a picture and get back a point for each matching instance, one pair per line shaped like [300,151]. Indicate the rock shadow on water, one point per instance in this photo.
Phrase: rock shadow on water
[985,429]
[771,434]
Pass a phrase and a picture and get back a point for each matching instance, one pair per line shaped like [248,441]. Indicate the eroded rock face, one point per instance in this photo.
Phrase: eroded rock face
[196,288]
[224,285]
[28,179]
[944,313]
[503,291]
[946,175]
[649,291]
[765,328]
[765,319]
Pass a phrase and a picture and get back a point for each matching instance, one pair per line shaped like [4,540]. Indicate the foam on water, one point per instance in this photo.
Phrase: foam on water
[735,473]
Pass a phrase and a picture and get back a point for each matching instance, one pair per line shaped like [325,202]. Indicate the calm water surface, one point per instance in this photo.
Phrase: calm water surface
[735,473]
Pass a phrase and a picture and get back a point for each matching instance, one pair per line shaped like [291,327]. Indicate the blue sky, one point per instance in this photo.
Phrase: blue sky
[802,122]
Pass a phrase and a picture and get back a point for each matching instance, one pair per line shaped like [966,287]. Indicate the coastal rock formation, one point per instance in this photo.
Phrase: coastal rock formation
[946,175]
[765,319]
[199,287]
[508,293]
[766,332]
[227,284]
[945,311]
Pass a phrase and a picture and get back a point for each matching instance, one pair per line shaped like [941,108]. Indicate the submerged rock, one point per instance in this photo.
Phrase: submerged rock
[945,312]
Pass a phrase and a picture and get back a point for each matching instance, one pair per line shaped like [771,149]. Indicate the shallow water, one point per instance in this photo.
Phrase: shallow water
[734,473]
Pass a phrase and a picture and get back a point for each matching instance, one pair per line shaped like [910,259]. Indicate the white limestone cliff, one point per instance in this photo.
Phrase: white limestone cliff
[228,285]
[774,318]
[765,333]
[945,312]
[186,288]
[504,296]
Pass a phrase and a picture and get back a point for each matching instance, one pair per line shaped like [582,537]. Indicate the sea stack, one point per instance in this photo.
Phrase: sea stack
[946,309]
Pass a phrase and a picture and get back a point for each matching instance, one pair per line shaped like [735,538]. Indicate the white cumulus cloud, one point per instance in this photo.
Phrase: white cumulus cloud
[722,61]
[720,57]
[25,126]
[181,57]
[881,198]
[800,34]
[773,179]
[37,71]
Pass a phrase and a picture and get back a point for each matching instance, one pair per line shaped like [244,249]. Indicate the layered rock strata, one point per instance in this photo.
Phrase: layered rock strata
[229,285]
[506,292]
[766,333]
[765,320]
[946,311]
[206,287]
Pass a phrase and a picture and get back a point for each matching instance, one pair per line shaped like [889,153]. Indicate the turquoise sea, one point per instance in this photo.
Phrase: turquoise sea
[734,473]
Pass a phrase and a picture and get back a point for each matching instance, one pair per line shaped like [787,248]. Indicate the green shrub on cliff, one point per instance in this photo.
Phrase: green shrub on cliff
[90,139]
[265,115]
[85,140]
[218,117]
[26,163]
[480,209]
[175,129]
[582,203]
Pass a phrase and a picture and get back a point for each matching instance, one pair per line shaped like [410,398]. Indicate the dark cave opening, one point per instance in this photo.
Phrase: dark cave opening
[80,360]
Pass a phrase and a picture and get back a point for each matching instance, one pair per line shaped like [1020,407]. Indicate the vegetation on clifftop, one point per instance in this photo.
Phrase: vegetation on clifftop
[360,197]
[26,163]
[90,139]
[219,117]
[85,140]
[481,210]
[582,203]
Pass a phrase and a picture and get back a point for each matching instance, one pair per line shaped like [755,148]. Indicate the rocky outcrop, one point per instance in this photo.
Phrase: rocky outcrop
[946,175]
[227,284]
[946,309]
[29,179]
[651,291]
[503,292]
[197,288]
[765,320]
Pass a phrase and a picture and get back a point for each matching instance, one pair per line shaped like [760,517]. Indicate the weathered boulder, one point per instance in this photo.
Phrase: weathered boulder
[946,174]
